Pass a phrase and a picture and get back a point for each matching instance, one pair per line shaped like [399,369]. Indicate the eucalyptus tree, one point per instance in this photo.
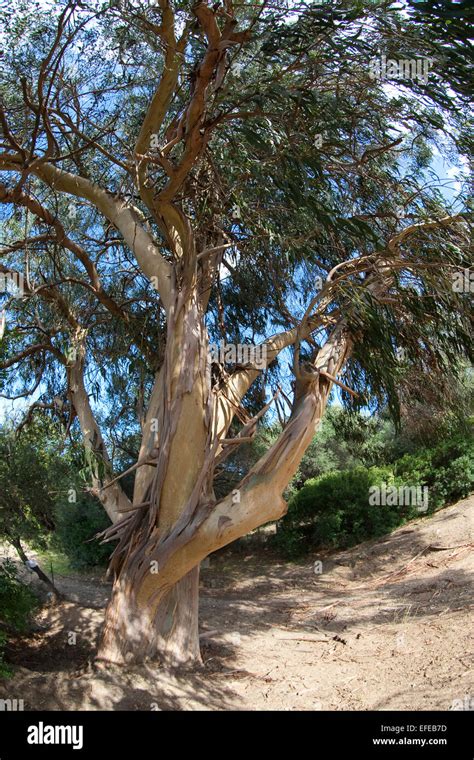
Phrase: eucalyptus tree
[175,176]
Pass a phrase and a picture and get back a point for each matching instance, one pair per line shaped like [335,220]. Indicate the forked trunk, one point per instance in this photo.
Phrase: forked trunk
[175,520]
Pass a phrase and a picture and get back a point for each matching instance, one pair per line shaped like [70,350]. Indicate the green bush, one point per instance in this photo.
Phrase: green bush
[334,510]
[17,604]
[447,470]
[76,525]
[459,478]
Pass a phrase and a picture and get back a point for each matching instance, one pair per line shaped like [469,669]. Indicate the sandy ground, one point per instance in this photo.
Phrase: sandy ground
[386,625]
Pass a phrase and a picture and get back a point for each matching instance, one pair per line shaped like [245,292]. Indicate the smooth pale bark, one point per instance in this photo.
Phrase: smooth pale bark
[125,217]
[180,407]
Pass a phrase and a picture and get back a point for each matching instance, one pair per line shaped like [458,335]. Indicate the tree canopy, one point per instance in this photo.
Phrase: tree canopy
[77,80]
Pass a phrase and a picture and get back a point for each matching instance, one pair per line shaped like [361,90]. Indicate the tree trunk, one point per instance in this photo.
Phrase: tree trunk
[148,617]
[33,567]
[137,630]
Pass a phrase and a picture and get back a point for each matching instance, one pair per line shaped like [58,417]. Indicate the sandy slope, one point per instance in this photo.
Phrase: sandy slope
[387,625]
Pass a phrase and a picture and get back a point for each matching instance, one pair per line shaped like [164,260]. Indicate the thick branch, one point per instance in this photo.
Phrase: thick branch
[36,348]
[212,526]
[123,216]
[113,498]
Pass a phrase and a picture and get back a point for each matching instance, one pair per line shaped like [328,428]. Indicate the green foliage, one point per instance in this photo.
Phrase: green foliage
[76,526]
[16,600]
[37,474]
[345,440]
[447,470]
[17,603]
[333,510]
[302,209]
[32,472]
[447,23]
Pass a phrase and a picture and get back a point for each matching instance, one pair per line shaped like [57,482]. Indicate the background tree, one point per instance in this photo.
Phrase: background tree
[32,473]
[175,174]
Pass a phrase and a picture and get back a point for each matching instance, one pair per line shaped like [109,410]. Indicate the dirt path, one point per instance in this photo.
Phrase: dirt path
[386,625]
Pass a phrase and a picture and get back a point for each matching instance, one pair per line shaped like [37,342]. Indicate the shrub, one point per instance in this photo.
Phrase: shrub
[76,525]
[333,510]
[447,470]
[17,604]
